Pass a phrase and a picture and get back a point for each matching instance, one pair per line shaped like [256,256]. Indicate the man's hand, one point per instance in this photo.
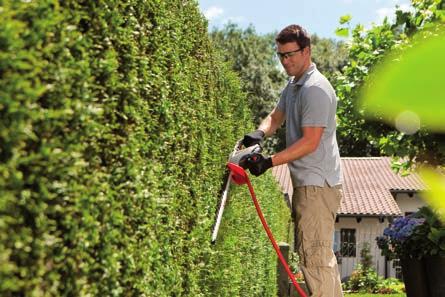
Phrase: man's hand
[253,138]
[258,164]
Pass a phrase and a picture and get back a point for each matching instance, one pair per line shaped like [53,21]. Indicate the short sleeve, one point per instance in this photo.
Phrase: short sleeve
[282,102]
[316,104]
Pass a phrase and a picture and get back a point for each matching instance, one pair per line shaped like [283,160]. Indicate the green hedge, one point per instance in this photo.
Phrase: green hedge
[116,119]
[245,261]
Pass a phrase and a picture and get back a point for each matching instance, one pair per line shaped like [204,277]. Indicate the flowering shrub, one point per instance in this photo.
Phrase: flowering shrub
[299,277]
[395,242]
[402,228]
[365,279]
[362,280]
[368,281]
[413,236]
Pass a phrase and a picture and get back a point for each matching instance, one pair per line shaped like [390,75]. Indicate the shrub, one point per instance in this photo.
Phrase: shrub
[390,286]
[415,236]
[116,119]
[365,256]
[367,281]
[362,280]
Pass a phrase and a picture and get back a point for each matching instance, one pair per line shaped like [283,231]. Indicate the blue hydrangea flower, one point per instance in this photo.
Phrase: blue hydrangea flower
[402,228]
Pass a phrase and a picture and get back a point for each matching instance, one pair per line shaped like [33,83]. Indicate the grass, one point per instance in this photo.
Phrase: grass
[375,295]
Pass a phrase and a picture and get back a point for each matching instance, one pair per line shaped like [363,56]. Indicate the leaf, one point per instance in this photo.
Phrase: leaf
[435,235]
[345,19]
[436,193]
[407,89]
[342,32]
[441,15]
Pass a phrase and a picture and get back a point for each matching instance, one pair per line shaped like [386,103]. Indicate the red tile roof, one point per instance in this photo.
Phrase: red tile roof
[367,186]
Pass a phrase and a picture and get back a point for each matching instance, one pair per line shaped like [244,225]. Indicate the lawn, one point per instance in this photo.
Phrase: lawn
[375,295]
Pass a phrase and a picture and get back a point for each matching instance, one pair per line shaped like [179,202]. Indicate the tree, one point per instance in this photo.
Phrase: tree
[253,57]
[365,256]
[329,55]
[363,137]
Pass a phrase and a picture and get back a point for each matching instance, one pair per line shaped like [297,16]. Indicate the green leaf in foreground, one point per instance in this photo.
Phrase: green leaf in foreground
[406,90]
[435,196]
[342,32]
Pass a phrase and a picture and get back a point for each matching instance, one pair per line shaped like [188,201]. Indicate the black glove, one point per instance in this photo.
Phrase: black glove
[258,164]
[253,138]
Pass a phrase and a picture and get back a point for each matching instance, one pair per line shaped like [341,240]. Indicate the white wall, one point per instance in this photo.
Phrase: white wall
[409,204]
[367,230]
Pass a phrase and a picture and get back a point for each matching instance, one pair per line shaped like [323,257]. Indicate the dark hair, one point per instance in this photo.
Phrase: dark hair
[294,33]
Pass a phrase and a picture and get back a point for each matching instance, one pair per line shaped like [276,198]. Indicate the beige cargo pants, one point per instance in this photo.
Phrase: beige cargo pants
[314,210]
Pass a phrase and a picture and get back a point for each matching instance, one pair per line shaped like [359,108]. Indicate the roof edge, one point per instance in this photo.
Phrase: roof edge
[369,215]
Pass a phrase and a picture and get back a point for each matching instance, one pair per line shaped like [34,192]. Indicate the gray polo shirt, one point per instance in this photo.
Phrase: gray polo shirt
[311,102]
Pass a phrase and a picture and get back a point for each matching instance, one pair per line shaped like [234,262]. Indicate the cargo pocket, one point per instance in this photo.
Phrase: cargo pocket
[318,254]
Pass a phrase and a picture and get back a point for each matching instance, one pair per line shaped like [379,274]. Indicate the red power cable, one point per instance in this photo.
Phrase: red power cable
[239,176]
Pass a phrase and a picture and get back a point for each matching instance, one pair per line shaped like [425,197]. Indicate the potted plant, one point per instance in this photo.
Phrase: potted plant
[432,250]
[418,241]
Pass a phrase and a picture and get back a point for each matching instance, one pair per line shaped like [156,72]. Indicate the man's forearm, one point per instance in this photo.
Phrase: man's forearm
[296,151]
[271,123]
[267,126]
[302,147]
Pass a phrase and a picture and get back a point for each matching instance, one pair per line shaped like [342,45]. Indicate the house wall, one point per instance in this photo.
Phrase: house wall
[366,231]
[407,203]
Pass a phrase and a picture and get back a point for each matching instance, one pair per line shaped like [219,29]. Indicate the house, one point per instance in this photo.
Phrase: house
[372,196]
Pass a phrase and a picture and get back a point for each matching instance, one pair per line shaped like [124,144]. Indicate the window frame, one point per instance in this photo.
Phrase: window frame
[348,242]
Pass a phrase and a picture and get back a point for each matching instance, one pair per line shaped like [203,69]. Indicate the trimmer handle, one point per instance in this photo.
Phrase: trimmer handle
[250,158]
[241,156]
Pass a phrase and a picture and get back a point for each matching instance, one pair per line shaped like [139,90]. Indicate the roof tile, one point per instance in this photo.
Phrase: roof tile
[367,186]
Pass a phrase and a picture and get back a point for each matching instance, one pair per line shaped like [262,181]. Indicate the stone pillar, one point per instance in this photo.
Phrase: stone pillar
[282,277]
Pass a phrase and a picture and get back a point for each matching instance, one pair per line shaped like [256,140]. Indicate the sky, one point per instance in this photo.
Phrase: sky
[320,17]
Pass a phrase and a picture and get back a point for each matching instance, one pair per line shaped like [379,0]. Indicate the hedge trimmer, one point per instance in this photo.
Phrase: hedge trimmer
[238,161]
[235,157]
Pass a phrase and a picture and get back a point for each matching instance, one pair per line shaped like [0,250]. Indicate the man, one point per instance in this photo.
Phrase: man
[308,105]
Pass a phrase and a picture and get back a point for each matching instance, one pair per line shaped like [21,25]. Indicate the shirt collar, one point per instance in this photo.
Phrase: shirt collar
[305,75]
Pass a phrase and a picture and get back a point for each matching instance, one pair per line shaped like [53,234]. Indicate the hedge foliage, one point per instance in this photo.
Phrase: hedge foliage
[116,119]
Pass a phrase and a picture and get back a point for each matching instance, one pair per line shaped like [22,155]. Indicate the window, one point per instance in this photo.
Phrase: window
[398,268]
[336,246]
[336,242]
[347,242]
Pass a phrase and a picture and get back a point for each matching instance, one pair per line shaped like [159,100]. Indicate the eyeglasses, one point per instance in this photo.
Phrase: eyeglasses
[282,56]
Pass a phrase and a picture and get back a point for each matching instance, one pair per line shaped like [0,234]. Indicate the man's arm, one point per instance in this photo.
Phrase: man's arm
[304,146]
[272,122]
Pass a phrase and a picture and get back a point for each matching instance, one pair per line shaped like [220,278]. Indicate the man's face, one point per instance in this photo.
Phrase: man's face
[293,58]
